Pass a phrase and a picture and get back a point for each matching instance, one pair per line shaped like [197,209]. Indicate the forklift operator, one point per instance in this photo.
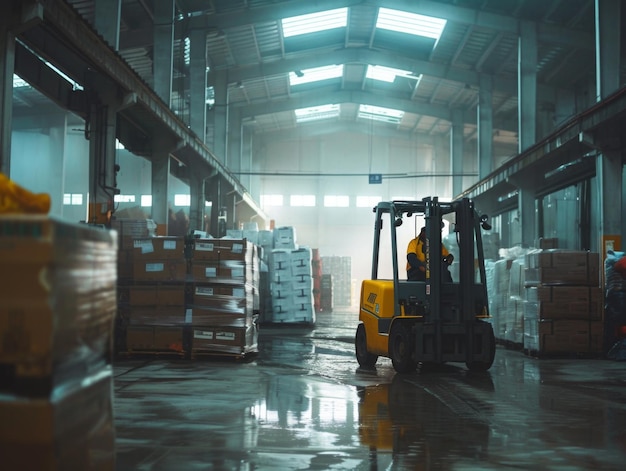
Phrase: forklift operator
[416,259]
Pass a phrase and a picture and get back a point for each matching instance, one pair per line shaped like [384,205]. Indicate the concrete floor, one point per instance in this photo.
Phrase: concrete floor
[303,404]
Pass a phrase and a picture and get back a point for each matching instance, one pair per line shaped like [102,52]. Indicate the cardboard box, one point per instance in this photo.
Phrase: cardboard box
[169,339]
[214,271]
[570,336]
[139,337]
[562,267]
[131,229]
[199,316]
[567,302]
[157,295]
[203,290]
[548,243]
[237,340]
[58,299]
[153,316]
[285,237]
[222,249]
[266,238]
[155,339]
[159,248]
[160,270]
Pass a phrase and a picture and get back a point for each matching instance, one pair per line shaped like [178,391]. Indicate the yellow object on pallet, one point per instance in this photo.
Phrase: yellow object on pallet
[16,199]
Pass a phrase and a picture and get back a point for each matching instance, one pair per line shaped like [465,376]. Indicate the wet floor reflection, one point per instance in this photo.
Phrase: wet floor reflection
[406,427]
[303,404]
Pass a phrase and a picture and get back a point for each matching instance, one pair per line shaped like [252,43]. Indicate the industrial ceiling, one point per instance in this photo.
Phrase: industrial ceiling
[245,41]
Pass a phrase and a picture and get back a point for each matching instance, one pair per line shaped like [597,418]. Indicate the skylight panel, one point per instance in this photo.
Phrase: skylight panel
[314,22]
[316,113]
[410,23]
[378,113]
[18,82]
[388,74]
[316,74]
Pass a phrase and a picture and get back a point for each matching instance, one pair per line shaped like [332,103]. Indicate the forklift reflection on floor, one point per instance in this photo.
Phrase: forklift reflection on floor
[406,427]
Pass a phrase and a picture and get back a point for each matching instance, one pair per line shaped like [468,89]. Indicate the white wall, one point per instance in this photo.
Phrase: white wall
[338,164]
[53,161]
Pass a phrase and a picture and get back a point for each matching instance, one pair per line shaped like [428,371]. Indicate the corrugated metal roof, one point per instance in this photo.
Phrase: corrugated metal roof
[244,40]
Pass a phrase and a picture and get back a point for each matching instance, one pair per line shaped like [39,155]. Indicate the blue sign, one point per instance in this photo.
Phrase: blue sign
[376,178]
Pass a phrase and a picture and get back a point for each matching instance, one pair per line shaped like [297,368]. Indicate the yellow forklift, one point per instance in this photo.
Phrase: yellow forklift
[426,322]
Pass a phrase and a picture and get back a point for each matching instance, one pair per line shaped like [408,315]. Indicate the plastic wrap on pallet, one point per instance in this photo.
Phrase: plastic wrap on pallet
[130,229]
[498,296]
[225,271]
[211,339]
[153,295]
[531,331]
[562,267]
[615,302]
[567,302]
[223,249]
[514,321]
[158,248]
[164,270]
[340,268]
[198,316]
[59,298]
[71,429]
[163,315]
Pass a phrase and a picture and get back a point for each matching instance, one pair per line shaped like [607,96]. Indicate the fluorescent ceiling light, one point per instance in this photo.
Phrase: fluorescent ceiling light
[314,22]
[388,74]
[316,112]
[410,23]
[316,74]
[378,113]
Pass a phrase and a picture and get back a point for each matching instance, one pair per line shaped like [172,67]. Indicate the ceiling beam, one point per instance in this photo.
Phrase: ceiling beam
[323,128]
[330,94]
[545,33]
[384,58]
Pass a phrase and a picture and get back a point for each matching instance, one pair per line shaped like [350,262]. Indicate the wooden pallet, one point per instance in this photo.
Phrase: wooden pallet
[172,354]
[216,355]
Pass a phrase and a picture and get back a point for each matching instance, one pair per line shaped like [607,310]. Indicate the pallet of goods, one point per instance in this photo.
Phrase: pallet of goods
[223,309]
[58,291]
[291,286]
[563,310]
[151,318]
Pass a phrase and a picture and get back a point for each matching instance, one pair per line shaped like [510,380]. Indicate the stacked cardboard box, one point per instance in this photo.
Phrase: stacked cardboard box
[224,304]
[190,297]
[316,272]
[499,297]
[564,304]
[152,300]
[58,291]
[341,270]
[291,286]
[512,317]
[326,293]
[285,238]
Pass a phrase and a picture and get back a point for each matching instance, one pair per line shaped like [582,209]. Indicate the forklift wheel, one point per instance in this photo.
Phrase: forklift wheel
[401,346]
[481,366]
[365,358]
